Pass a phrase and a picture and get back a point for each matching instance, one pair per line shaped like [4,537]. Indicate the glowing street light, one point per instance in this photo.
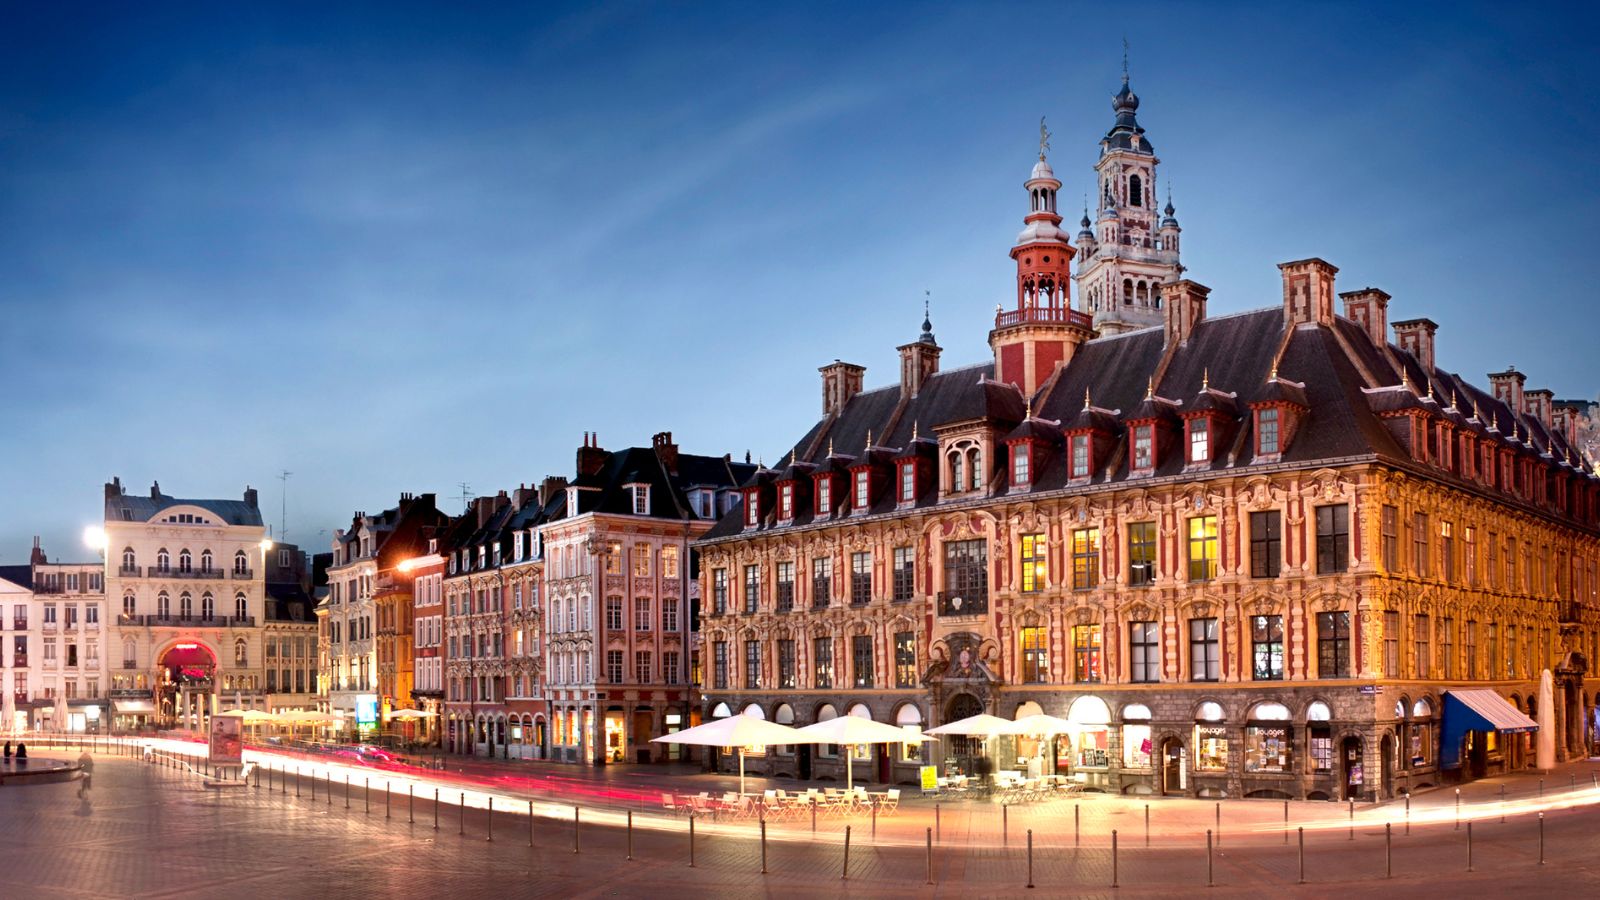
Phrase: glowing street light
[94,537]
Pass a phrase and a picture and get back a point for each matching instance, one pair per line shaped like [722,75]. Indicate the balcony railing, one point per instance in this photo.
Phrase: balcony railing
[191,621]
[243,621]
[130,571]
[129,664]
[1043,315]
[19,624]
[963,603]
[129,693]
[125,619]
[20,661]
[241,574]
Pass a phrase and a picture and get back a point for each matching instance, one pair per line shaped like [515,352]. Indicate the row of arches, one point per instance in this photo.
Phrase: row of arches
[186,609]
[186,562]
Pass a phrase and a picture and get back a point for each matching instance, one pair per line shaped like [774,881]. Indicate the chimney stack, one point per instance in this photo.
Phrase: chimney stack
[1540,403]
[666,451]
[1308,291]
[250,497]
[1507,387]
[114,487]
[155,490]
[37,556]
[551,486]
[1416,336]
[840,382]
[1186,308]
[1369,308]
[591,459]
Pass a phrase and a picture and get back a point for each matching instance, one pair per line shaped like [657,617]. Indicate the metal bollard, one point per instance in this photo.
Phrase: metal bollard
[328,785]
[1219,821]
[938,830]
[435,809]
[489,827]
[874,820]
[574,829]
[388,795]
[366,796]
[763,845]
[1147,824]
[1352,818]
[411,804]
[1302,831]
[1286,821]
[1541,788]
[763,840]
[297,782]
[1388,850]
[1469,846]
[846,873]
[930,856]
[1005,824]
[1030,858]
[1502,804]
[1408,814]
[1458,809]
[461,814]
[814,815]
[1211,880]
[691,840]
[1541,839]
[1113,857]
[1076,830]
[530,824]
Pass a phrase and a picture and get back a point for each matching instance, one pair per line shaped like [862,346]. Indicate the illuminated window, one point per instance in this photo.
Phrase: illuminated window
[1202,548]
[1199,440]
[1086,654]
[1035,655]
[1085,558]
[1266,647]
[1033,563]
[1141,553]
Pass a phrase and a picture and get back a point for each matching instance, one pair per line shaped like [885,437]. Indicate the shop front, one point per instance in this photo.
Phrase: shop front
[1476,727]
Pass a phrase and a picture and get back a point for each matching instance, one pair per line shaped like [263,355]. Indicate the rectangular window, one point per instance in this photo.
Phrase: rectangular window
[1472,650]
[1420,637]
[824,496]
[1321,748]
[905,560]
[613,558]
[1144,652]
[1141,553]
[966,578]
[669,614]
[1144,453]
[1266,748]
[821,581]
[1419,545]
[1086,654]
[1210,748]
[1492,668]
[1019,465]
[1470,554]
[669,667]
[641,667]
[1035,656]
[752,509]
[752,665]
[1447,551]
[752,589]
[641,560]
[1085,558]
[1034,565]
[1204,660]
[1199,440]
[1447,647]
[1333,645]
[614,666]
[1267,431]
[785,595]
[860,578]
[1202,548]
[863,494]
[1390,526]
[786,666]
[1080,456]
[1333,539]
[1492,567]
[822,662]
[905,659]
[1266,544]
[719,591]
[1391,644]
[786,502]
[908,482]
[1512,636]
[1266,647]
[643,615]
[613,613]
[861,660]
[719,665]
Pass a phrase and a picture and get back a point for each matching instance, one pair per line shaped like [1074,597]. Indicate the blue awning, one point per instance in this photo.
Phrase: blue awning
[1476,710]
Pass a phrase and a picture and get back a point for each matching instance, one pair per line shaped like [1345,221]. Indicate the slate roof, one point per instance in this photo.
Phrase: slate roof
[1341,378]
[137,508]
[21,576]
[289,602]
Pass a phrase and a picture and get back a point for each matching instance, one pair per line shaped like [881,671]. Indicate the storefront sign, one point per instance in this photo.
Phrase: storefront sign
[226,748]
[930,778]
[367,709]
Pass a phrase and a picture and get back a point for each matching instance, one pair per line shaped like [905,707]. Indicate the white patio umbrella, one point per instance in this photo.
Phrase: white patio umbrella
[736,731]
[980,725]
[412,714]
[853,730]
[1041,725]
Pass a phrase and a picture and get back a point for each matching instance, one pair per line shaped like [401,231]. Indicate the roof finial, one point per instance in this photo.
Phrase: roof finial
[1124,59]
[791,457]
[1030,408]
[1085,398]
[1430,388]
[914,424]
[1405,378]
[1150,388]
[1273,376]
[1205,379]
[1044,139]
[869,438]
[830,445]
[927,322]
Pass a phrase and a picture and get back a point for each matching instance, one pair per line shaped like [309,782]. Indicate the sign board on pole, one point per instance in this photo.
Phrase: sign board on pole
[226,746]
[930,778]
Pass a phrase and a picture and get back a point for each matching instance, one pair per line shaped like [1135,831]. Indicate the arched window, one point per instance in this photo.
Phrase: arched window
[1269,712]
[185,561]
[784,714]
[1318,712]
[241,563]
[205,560]
[208,606]
[1135,191]
[976,459]
[239,652]
[185,605]
[163,560]
[957,475]
[129,654]
[129,605]
[129,561]
[163,605]
[721,711]
[1141,292]
[1127,292]
[240,608]
[753,710]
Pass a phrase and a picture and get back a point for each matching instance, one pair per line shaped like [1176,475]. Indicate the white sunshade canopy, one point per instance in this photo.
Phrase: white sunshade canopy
[856,730]
[980,725]
[736,731]
[1042,725]
[250,716]
[412,714]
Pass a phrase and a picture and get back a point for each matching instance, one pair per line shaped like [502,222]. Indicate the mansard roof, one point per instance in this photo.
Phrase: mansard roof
[137,508]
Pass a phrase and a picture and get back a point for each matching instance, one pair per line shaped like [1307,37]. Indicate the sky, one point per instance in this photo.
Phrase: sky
[393,248]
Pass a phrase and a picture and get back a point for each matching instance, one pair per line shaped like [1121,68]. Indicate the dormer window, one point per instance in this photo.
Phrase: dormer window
[1267,440]
[824,496]
[516,543]
[1199,440]
[641,499]
[863,491]
[1080,456]
[483,556]
[908,482]
[1020,465]
[786,502]
[572,502]
[752,510]
[1144,447]
[958,475]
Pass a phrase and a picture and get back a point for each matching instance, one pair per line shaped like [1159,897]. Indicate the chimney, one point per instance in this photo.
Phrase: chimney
[114,488]
[1308,291]
[521,496]
[37,556]
[1540,403]
[1416,336]
[591,459]
[550,487]
[840,382]
[155,490]
[1369,308]
[250,497]
[666,451]
[919,360]
[1186,308]
[1507,387]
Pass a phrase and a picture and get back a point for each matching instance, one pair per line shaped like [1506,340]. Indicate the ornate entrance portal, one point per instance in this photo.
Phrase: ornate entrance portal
[185,685]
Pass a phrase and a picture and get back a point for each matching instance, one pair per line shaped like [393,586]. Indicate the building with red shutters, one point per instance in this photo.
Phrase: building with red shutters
[1273,553]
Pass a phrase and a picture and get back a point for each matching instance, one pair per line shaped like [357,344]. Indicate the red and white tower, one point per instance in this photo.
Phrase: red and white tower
[1043,330]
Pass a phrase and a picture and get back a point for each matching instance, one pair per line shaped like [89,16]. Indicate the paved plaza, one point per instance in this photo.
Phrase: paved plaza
[155,830]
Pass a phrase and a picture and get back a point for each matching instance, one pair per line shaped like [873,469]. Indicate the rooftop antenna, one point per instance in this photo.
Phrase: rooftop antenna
[283,511]
[466,494]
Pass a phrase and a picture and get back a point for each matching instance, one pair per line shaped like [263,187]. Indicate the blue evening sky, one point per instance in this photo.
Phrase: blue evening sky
[393,248]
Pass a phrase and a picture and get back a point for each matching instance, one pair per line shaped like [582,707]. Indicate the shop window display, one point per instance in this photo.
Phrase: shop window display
[1211,748]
